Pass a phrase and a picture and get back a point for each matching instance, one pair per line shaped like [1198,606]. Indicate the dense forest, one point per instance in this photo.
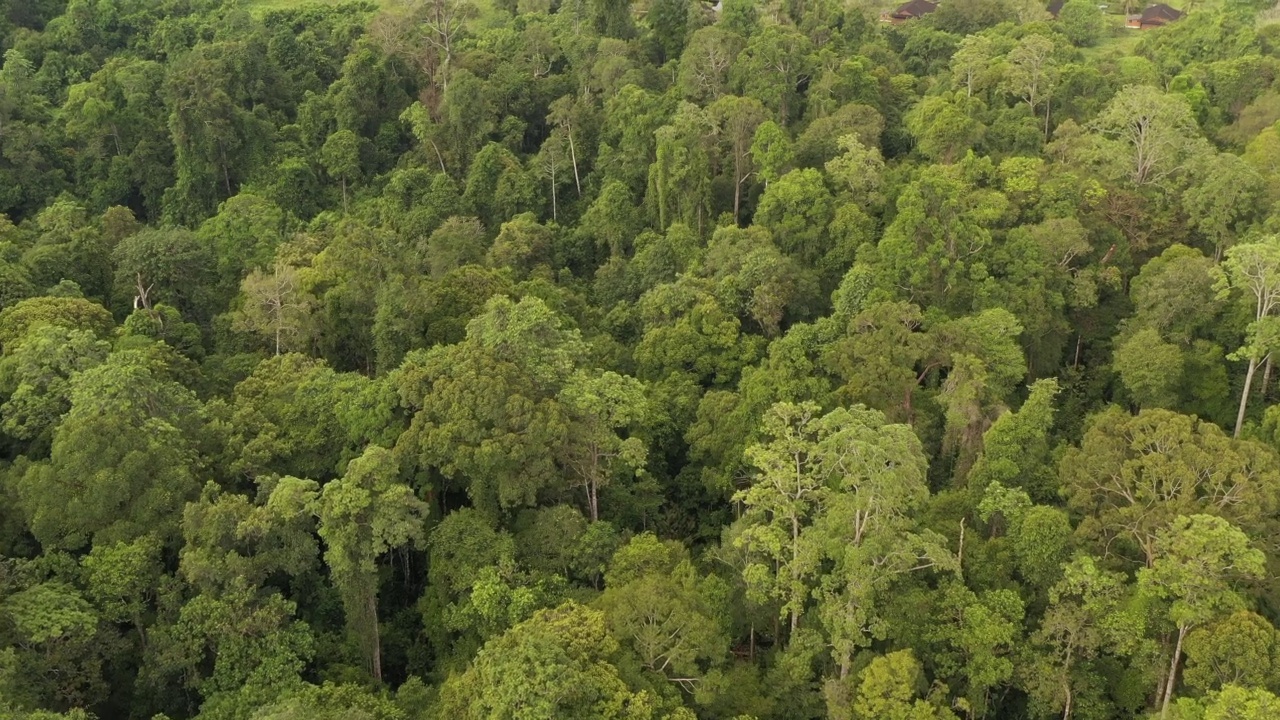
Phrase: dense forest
[638,359]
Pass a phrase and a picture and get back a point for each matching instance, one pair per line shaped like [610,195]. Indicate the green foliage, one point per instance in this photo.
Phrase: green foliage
[554,665]
[662,359]
[1082,22]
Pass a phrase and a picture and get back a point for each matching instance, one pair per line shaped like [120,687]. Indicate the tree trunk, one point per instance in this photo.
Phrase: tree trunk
[1266,378]
[1173,673]
[344,195]
[795,556]
[1244,396]
[554,211]
[372,599]
[226,173]
[142,632]
[1047,104]
[1066,685]
[737,185]
[573,155]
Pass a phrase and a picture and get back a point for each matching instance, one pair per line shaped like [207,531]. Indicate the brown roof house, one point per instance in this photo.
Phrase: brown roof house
[909,11]
[1154,16]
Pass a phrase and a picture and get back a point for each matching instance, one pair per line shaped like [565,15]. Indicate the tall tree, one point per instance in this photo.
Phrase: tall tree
[604,410]
[1154,132]
[1132,475]
[1254,268]
[1198,557]
[737,119]
[363,515]
[781,503]
[341,157]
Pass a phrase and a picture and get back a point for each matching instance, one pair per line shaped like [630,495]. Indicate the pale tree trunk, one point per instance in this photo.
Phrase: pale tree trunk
[1066,686]
[737,185]
[1266,378]
[573,156]
[554,212]
[1173,673]
[1244,396]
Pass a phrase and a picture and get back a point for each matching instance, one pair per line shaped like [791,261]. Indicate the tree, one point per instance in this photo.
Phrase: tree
[36,376]
[888,688]
[668,22]
[275,307]
[737,119]
[770,150]
[1032,74]
[245,235]
[239,647]
[124,459]
[484,410]
[171,266]
[1133,475]
[797,209]
[1082,22]
[1239,703]
[122,577]
[657,603]
[1240,649]
[980,632]
[444,22]
[680,176]
[601,409]
[1255,268]
[363,515]
[341,157]
[551,161]
[1225,199]
[705,63]
[787,494]
[857,169]
[875,477]
[556,664]
[53,627]
[972,61]
[945,127]
[1151,369]
[1086,616]
[1016,450]
[217,141]
[1154,132]
[565,113]
[295,416]
[29,178]
[771,68]
[1197,558]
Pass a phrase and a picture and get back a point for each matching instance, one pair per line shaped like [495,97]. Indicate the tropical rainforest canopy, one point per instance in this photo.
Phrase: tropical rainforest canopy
[547,359]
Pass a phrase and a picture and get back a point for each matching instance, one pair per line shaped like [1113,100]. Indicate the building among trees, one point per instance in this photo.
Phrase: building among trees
[1154,16]
[909,11]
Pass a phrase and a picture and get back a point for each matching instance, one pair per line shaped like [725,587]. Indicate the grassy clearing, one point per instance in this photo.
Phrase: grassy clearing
[1116,40]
